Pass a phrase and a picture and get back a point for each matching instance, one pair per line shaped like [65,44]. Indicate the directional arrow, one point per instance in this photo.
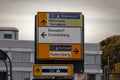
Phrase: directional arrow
[43,34]
[37,70]
[43,22]
[76,51]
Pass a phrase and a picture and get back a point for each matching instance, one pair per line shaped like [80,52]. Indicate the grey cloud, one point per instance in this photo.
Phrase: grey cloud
[104,13]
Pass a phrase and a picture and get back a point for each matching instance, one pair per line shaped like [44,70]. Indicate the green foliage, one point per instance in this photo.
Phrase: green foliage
[117,67]
[116,70]
[111,48]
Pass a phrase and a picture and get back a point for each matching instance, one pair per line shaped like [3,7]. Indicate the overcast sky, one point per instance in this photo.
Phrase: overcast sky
[102,17]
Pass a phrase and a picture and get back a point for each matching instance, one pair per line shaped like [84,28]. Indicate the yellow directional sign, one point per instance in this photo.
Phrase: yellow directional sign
[52,70]
[37,70]
[42,19]
[60,51]
[60,19]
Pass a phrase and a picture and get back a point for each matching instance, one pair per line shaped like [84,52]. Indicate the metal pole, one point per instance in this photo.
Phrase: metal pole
[108,69]
[10,66]
[76,76]
[6,68]
[5,54]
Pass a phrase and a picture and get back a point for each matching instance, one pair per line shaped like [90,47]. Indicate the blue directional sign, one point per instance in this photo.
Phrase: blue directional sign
[64,16]
[54,70]
[60,47]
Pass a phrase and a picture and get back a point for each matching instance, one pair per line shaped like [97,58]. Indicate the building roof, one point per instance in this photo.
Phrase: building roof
[17,43]
[30,44]
[92,46]
[8,29]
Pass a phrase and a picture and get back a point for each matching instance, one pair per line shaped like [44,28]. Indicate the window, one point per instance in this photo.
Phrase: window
[16,76]
[21,57]
[25,76]
[21,75]
[8,36]
[15,56]
[90,59]
[25,57]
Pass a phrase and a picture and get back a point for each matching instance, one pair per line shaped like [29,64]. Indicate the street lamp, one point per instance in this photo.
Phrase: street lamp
[4,56]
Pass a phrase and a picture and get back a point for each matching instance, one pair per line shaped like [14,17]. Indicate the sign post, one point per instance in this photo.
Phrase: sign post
[59,39]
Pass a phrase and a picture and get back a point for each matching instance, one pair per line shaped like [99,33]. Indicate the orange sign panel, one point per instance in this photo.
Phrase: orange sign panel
[37,70]
[52,70]
[60,51]
[42,19]
[60,19]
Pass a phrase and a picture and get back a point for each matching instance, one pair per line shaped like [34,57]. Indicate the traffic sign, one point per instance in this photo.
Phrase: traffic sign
[60,51]
[59,35]
[37,70]
[59,19]
[42,19]
[52,70]
[49,34]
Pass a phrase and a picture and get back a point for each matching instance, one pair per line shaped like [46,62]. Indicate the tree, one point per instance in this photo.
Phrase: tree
[111,47]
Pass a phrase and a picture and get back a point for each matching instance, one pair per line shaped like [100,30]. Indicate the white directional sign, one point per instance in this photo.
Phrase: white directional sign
[59,35]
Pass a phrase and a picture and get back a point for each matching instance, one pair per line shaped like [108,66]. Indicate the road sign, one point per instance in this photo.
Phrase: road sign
[59,19]
[59,35]
[59,29]
[60,51]
[52,70]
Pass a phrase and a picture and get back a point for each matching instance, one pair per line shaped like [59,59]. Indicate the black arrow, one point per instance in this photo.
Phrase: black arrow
[37,70]
[43,22]
[76,51]
[43,34]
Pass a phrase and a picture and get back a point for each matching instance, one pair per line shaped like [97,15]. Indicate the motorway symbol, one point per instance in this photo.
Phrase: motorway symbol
[43,22]
[76,51]
[43,34]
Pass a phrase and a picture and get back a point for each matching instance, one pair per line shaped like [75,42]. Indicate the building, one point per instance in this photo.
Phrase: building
[92,60]
[9,33]
[21,53]
[22,57]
